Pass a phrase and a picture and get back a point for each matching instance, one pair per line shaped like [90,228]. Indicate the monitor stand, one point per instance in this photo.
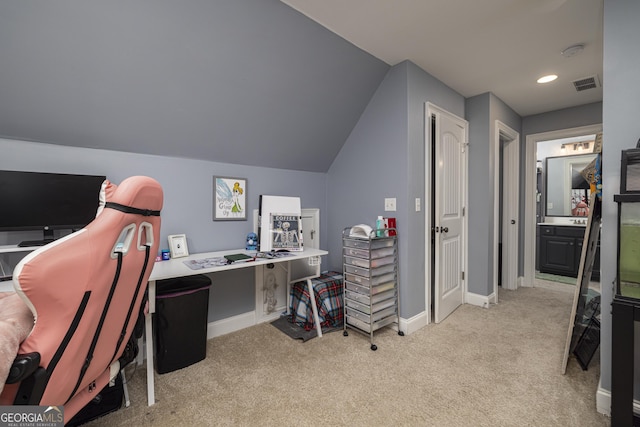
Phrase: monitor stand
[47,238]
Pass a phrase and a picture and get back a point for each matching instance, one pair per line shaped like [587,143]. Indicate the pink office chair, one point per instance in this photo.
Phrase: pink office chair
[85,291]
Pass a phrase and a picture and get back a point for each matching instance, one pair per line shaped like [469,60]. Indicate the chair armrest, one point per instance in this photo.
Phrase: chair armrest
[23,366]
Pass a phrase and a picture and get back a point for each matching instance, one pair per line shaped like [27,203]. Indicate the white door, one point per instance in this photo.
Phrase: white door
[510,219]
[450,166]
[311,228]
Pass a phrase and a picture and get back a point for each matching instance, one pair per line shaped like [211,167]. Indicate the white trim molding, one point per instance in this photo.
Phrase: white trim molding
[530,190]
[479,300]
[230,324]
[523,283]
[603,402]
[501,130]
[415,323]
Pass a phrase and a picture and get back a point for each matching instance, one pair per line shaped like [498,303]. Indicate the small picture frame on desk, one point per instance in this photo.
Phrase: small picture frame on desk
[229,199]
[178,245]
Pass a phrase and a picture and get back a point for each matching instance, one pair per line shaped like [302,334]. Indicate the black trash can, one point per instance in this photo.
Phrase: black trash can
[180,322]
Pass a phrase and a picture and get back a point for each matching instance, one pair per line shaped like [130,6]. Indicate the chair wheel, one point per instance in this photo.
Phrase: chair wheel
[345,333]
[374,347]
[401,333]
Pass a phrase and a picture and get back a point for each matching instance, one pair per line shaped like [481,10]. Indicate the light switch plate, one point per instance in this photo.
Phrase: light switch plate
[390,204]
[418,207]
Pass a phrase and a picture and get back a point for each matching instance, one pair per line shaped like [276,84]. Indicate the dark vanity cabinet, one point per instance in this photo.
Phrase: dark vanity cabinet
[560,249]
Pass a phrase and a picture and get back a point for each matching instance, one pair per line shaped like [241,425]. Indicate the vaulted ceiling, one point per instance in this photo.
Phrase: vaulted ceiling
[256,82]
[248,82]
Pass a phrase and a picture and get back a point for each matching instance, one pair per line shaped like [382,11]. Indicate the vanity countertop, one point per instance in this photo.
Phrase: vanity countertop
[567,224]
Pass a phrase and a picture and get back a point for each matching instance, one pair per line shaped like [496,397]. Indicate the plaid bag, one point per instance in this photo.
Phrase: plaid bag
[328,292]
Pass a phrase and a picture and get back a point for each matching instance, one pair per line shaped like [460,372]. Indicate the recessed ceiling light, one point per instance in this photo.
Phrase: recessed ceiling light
[547,79]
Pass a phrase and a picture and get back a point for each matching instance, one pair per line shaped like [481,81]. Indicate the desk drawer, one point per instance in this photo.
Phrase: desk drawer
[389,268]
[365,254]
[362,297]
[365,327]
[367,318]
[364,243]
[365,290]
[364,281]
[368,309]
[366,263]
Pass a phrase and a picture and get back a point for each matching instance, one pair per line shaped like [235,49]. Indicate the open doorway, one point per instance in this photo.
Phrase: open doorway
[535,212]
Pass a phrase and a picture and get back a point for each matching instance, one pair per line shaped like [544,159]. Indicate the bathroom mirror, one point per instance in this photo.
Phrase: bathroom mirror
[567,191]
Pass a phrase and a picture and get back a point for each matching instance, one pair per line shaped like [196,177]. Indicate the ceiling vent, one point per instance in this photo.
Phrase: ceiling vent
[586,83]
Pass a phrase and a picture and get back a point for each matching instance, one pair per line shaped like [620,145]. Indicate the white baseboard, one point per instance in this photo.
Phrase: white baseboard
[603,402]
[269,317]
[479,300]
[230,324]
[493,298]
[523,284]
[419,321]
[245,320]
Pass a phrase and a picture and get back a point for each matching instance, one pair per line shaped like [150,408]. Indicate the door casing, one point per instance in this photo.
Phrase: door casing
[529,245]
[509,136]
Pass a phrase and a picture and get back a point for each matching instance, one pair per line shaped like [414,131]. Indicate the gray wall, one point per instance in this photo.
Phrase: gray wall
[482,113]
[188,196]
[480,217]
[621,130]
[384,157]
[234,81]
[567,118]
[370,165]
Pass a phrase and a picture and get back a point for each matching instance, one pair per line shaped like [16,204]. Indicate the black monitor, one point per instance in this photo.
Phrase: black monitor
[47,202]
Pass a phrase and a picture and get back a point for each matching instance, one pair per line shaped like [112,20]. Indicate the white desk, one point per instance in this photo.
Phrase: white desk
[7,286]
[177,268]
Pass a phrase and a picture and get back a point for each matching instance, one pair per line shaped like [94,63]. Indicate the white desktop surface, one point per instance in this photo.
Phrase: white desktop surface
[7,286]
[177,268]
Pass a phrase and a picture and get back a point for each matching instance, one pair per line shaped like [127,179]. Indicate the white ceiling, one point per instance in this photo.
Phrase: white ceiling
[498,46]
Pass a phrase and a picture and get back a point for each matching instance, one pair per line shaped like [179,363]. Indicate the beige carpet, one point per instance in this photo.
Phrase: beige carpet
[480,367]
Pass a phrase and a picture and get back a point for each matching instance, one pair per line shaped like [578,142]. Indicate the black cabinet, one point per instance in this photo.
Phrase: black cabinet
[560,249]
[625,316]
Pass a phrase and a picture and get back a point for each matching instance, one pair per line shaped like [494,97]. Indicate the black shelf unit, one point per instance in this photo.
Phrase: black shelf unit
[625,311]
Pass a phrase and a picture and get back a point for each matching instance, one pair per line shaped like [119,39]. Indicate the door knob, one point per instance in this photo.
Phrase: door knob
[444,229]
[513,221]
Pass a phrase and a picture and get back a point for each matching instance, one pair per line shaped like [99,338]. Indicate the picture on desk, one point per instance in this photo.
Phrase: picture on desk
[229,199]
[286,232]
[178,245]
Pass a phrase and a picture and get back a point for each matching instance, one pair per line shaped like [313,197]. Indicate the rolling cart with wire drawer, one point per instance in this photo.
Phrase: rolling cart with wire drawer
[370,273]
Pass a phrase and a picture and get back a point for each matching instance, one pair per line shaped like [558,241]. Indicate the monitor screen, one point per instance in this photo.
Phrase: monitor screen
[47,201]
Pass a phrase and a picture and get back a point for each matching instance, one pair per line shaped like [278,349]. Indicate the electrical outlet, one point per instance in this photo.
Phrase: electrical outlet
[418,207]
[390,204]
